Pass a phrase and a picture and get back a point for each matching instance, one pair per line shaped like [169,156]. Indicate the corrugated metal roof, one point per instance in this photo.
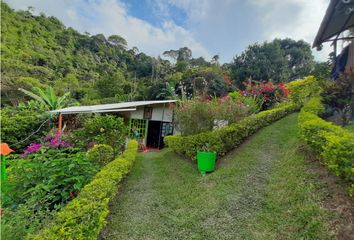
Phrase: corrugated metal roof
[339,17]
[113,107]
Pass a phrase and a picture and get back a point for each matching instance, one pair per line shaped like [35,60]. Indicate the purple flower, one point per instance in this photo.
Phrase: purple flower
[65,144]
[33,147]
[54,142]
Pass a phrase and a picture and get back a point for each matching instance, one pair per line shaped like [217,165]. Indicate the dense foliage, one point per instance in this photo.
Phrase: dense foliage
[17,125]
[40,182]
[102,129]
[84,217]
[279,60]
[39,51]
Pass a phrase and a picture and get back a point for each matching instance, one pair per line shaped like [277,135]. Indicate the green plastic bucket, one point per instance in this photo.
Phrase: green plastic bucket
[206,161]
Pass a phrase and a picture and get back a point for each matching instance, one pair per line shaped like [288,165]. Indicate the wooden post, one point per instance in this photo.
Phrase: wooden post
[60,123]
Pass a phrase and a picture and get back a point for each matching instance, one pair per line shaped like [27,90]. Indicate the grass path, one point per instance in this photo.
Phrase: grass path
[262,190]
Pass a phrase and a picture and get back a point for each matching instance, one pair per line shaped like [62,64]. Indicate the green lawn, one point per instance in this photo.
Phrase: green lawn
[262,190]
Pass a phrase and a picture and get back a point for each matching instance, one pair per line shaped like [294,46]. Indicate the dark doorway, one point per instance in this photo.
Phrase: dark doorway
[154,139]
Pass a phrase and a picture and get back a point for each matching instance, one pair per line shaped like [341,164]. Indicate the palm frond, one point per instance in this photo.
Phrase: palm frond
[33,95]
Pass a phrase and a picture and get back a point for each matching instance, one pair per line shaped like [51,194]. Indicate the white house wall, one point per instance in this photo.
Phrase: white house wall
[138,114]
[159,113]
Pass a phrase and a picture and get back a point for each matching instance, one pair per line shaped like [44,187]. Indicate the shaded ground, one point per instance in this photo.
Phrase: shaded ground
[262,190]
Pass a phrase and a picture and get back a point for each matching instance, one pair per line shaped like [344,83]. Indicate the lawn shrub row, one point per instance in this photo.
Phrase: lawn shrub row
[333,143]
[225,139]
[84,217]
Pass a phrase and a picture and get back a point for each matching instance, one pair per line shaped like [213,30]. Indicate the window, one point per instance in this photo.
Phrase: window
[139,125]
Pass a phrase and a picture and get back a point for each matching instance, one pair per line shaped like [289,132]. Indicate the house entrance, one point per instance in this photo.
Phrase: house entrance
[157,130]
[154,139]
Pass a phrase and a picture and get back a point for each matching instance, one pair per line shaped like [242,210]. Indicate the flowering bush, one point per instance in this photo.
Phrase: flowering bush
[56,141]
[268,92]
[48,141]
[195,116]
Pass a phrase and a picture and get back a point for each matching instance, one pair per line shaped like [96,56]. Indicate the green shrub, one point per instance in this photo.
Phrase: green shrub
[17,124]
[48,177]
[193,116]
[197,116]
[39,185]
[102,129]
[26,219]
[334,144]
[84,217]
[100,154]
[302,90]
[225,139]
[232,108]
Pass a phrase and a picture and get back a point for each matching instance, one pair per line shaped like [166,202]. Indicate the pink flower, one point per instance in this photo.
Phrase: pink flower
[33,147]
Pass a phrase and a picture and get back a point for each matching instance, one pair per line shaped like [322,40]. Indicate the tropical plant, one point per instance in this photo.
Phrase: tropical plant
[168,92]
[47,97]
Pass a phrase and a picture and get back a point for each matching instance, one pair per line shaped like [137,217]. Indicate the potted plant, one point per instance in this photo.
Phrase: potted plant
[206,160]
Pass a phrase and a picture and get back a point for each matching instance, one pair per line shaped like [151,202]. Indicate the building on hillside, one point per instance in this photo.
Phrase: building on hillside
[149,121]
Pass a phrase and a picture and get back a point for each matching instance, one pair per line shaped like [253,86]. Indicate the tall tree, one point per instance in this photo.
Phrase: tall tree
[118,41]
[279,60]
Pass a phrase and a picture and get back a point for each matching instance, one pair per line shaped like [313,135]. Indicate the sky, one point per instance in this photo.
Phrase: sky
[207,27]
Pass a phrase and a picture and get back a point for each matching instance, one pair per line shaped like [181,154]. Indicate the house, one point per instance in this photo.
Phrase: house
[339,17]
[153,120]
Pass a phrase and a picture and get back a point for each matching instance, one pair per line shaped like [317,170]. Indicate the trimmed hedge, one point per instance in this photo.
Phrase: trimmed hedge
[225,139]
[333,143]
[84,217]
[100,154]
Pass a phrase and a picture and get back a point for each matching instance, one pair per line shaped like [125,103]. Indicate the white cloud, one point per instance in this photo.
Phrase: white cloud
[240,23]
[297,19]
[111,17]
